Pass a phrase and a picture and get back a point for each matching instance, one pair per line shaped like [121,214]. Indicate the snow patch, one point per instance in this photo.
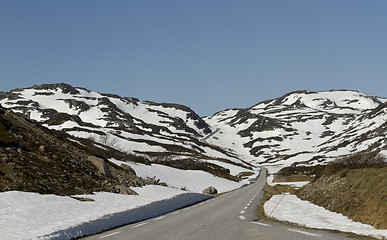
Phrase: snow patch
[292,209]
[26,215]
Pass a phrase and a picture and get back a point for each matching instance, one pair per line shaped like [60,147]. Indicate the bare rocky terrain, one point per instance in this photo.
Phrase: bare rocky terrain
[36,159]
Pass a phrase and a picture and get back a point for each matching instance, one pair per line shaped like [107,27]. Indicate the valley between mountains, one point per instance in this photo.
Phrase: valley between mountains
[118,160]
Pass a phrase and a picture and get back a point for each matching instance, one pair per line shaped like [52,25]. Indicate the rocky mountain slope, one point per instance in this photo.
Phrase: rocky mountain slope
[125,129]
[36,159]
[303,128]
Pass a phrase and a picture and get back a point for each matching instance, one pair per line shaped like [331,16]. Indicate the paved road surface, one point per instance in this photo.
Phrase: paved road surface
[228,216]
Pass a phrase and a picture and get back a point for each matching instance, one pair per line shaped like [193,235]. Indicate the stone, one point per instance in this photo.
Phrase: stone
[210,190]
[101,165]
[125,190]
[128,168]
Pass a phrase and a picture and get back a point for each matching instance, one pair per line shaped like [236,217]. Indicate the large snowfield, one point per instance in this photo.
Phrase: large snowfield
[26,215]
[290,208]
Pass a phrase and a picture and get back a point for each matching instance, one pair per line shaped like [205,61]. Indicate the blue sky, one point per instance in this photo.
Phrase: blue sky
[207,54]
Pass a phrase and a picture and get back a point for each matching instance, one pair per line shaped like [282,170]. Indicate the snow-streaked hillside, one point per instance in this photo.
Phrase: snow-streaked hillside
[124,128]
[300,127]
[303,127]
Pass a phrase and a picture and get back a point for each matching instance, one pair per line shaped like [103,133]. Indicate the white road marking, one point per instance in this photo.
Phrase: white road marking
[245,208]
[175,212]
[201,203]
[305,233]
[160,218]
[139,225]
[241,217]
[243,212]
[263,224]
[111,234]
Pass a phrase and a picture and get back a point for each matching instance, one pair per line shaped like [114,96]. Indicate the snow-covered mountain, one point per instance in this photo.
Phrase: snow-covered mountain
[124,128]
[303,127]
[300,127]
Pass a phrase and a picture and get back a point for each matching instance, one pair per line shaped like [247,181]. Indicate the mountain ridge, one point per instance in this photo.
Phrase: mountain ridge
[300,127]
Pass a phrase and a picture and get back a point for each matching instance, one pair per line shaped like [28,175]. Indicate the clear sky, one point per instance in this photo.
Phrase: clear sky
[207,54]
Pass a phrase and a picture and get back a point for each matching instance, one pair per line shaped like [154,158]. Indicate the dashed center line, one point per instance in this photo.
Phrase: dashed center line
[262,224]
[108,235]
[160,218]
[139,225]
[241,217]
[243,212]
[305,233]
[245,208]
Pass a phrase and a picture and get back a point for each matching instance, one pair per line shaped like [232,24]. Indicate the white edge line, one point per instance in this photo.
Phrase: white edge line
[160,218]
[305,233]
[108,235]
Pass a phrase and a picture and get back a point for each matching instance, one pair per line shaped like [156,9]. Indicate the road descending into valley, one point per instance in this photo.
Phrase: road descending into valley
[228,216]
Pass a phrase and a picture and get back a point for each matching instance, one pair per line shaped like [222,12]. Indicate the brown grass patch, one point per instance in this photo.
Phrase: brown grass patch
[292,178]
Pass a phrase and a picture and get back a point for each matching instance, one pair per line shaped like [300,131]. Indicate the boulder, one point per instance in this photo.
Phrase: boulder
[101,165]
[128,169]
[125,190]
[210,190]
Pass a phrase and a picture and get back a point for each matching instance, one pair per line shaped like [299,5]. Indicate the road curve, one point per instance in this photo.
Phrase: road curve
[229,216]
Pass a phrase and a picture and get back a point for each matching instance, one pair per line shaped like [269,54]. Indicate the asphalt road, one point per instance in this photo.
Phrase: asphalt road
[229,216]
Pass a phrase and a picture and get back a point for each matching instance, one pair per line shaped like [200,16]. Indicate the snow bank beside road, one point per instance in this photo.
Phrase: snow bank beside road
[292,209]
[192,180]
[35,216]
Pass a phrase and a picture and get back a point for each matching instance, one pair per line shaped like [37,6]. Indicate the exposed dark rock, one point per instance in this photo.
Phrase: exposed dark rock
[81,106]
[66,88]
[59,118]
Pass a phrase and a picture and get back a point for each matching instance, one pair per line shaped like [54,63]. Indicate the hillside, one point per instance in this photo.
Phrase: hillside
[124,131]
[357,188]
[36,159]
[303,128]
